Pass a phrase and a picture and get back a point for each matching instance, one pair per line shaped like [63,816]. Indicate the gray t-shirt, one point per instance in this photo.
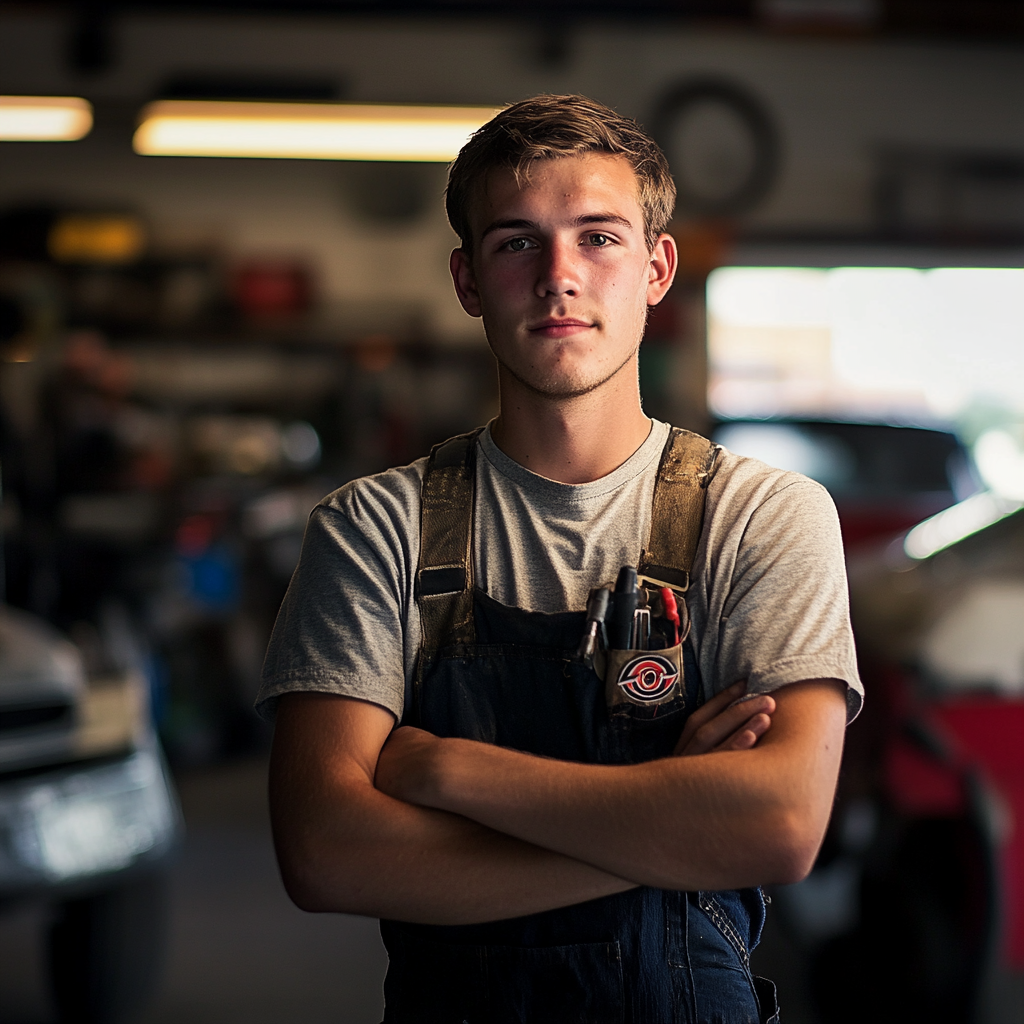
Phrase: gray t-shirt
[768,599]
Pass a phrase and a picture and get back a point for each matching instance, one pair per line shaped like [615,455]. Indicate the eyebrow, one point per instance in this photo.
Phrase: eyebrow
[525,225]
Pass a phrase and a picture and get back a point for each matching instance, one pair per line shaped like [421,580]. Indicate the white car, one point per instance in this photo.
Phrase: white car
[88,819]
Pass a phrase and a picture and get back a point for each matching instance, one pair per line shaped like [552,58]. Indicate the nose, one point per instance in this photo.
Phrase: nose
[559,271]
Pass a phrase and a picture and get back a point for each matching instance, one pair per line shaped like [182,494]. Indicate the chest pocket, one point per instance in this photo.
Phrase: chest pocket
[643,729]
[445,575]
[511,696]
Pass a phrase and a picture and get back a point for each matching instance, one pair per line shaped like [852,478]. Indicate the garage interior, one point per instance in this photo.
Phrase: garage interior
[195,349]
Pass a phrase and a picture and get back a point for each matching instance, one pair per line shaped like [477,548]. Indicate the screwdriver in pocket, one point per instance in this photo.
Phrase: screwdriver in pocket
[597,610]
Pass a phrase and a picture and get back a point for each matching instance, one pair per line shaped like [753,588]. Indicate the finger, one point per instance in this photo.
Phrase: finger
[710,710]
[748,734]
[713,733]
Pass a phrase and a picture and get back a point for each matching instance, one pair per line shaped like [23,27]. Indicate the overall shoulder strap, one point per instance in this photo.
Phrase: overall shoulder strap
[444,578]
[688,464]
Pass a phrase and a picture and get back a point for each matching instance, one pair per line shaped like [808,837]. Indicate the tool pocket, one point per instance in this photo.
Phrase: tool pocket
[643,679]
[647,701]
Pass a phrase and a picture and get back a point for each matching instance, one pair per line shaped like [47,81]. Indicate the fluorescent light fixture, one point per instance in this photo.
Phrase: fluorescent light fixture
[44,118]
[307,131]
[954,524]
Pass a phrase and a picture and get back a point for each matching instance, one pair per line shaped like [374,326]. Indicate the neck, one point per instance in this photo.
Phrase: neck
[571,440]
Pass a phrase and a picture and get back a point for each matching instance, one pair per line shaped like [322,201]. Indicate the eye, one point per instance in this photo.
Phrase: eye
[517,244]
[597,239]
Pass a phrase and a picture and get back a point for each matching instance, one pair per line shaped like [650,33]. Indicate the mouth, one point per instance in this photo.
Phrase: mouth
[558,327]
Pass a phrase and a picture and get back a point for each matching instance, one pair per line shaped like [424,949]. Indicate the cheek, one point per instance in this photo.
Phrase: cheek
[626,298]
[624,281]
[503,290]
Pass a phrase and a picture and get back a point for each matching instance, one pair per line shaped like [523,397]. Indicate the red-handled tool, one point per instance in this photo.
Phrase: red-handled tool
[668,599]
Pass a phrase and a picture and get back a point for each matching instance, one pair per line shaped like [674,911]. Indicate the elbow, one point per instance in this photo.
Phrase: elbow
[795,848]
[299,880]
[312,879]
[304,896]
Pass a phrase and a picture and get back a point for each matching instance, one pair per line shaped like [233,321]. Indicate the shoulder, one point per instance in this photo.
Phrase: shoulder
[384,501]
[742,487]
[755,511]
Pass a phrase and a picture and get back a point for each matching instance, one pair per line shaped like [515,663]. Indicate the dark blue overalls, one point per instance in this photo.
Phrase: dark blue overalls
[506,676]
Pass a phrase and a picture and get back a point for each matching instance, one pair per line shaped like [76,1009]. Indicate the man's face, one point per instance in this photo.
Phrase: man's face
[561,273]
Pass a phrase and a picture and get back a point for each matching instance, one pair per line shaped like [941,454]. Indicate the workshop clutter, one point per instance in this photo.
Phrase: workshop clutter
[168,419]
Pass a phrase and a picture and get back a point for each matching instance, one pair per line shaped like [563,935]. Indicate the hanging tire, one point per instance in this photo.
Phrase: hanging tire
[106,951]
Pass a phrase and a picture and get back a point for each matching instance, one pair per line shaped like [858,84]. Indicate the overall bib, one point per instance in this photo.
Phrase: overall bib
[510,677]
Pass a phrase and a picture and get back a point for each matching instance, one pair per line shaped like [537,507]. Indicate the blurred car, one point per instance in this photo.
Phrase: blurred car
[88,819]
[915,907]
[883,477]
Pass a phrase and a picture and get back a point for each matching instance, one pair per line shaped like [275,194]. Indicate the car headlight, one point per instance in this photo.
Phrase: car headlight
[60,827]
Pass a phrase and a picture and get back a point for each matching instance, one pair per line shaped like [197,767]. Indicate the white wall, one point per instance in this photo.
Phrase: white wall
[833,100]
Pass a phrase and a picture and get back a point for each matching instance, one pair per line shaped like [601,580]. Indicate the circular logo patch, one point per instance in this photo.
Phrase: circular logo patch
[648,677]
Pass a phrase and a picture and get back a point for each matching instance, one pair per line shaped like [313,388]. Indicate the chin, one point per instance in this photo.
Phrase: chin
[563,386]
[563,375]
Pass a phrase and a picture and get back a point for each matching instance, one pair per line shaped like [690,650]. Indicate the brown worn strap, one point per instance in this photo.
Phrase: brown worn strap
[688,463]
[444,579]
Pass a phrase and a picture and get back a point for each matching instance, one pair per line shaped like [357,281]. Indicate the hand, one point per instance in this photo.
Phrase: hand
[406,764]
[721,724]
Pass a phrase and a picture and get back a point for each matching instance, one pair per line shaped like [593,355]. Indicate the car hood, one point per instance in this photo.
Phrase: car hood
[957,616]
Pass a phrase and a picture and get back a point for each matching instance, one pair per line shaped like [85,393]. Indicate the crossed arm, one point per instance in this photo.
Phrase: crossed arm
[397,823]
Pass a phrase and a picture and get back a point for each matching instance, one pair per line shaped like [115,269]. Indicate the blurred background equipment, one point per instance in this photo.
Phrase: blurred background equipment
[722,145]
[195,349]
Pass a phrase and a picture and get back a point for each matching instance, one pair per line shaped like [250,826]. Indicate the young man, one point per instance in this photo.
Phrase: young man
[544,844]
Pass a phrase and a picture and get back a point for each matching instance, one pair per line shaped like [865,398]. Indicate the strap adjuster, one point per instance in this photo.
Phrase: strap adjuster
[442,579]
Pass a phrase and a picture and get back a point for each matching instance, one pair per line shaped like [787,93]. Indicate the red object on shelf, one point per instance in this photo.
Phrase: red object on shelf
[194,535]
[272,288]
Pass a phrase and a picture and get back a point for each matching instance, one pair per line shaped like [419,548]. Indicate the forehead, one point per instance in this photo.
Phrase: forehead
[589,183]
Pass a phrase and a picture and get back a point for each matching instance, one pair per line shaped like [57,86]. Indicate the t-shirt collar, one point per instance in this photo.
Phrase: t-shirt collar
[553,490]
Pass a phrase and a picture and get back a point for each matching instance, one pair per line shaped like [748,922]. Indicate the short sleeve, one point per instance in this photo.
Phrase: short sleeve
[778,584]
[343,625]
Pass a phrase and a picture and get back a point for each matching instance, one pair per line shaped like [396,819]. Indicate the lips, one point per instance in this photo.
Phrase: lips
[560,328]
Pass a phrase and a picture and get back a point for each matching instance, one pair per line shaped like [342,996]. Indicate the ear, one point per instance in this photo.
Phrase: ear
[664,260]
[464,279]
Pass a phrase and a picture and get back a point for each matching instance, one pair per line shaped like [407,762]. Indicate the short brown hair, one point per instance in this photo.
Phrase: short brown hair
[549,126]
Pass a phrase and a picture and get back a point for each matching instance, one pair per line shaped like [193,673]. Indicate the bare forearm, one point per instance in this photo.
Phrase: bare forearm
[720,820]
[343,846]
[693,824]
[384,858]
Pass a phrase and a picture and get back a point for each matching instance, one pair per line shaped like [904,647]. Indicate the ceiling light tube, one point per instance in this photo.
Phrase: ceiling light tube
[306,131]
[44,118]
[956,523]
